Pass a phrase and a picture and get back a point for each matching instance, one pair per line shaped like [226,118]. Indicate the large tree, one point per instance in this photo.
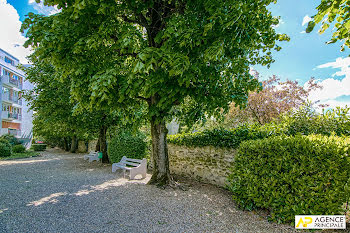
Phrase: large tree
[58,116]
[275,99]
[157,53]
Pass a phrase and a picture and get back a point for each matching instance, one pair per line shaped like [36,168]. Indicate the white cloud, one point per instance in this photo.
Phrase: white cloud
[333,88]
[342,63]
[334,103]
[11,40]
[306,20]
[42,9]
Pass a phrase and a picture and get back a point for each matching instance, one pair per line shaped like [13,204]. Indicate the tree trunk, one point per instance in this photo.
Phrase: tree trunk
[97,148]
[161,172]
[74,145]
[66,144]
[102,139]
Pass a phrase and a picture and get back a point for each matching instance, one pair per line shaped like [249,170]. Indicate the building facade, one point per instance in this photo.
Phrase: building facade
[16,118]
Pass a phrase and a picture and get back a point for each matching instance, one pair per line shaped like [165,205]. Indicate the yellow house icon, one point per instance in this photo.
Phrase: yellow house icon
[305,222]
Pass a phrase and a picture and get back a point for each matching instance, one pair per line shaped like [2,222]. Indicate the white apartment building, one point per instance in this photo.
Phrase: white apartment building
[16,118]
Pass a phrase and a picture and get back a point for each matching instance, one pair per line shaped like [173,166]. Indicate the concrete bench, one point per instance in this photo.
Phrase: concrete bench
[92,156]
[134,166]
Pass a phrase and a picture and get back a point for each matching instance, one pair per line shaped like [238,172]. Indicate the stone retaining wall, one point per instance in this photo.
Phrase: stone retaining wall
[92,145]
[82,147]
[206,164]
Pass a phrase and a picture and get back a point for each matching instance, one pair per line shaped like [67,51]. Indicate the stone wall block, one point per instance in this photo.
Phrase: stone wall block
[206,164]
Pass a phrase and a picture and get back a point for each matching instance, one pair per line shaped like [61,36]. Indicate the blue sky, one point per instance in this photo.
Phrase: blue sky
[305,56]
[299,57]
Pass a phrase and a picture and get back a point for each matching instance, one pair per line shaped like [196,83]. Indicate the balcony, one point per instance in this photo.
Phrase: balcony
[10,81]
[10,98]
[11,116]
[15,132]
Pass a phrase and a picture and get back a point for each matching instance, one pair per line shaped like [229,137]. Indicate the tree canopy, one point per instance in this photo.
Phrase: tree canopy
[275,99]
[131,55]
[57,116]
[333,12]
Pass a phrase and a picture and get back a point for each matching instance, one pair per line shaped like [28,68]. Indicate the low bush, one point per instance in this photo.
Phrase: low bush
[306,120]
[126,144]
[11,139]
[39,147]
[18,149]
[301,175]
[5,148]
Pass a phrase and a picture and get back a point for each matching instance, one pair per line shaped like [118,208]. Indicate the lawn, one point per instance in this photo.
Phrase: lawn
[26,154]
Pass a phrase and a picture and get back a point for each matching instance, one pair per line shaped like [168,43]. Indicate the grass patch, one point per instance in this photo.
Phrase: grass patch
[26,154]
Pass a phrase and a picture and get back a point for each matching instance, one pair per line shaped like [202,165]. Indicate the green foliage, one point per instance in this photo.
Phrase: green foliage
[39,147]
[301,175]
[333,12]
[302,121]
[160,52]
[18,149]
[5,148]
[11,139]
[225,138]
[306,121]
[126,144]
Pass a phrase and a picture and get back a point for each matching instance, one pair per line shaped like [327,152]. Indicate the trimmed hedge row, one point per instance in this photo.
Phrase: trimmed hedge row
[39,147]
[301,175]
[225,138]
[126,144]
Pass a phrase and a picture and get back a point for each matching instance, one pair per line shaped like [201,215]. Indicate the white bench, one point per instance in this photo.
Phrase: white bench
[92,156]
[134,166]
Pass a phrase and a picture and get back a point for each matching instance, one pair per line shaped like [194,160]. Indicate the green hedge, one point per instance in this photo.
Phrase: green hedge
[307,121]
[5,148]
[225,138]
[291,176]
[126,144]
[11,139]
[39,147]
[18,149]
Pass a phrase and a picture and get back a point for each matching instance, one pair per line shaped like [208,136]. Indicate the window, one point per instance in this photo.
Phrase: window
[8,60]
[6,73]
[5,90]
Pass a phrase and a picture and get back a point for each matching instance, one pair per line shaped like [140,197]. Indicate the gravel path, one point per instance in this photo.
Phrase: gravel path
[60,192]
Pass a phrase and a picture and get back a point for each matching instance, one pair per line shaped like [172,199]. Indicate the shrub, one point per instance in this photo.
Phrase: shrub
[307,121]
[18,149]
[39,147]
[11,139]
[126,144]
[226,138]
[301,175]
[5,148]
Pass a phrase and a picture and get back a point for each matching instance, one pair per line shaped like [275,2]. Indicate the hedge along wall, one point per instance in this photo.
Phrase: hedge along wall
[206,164]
